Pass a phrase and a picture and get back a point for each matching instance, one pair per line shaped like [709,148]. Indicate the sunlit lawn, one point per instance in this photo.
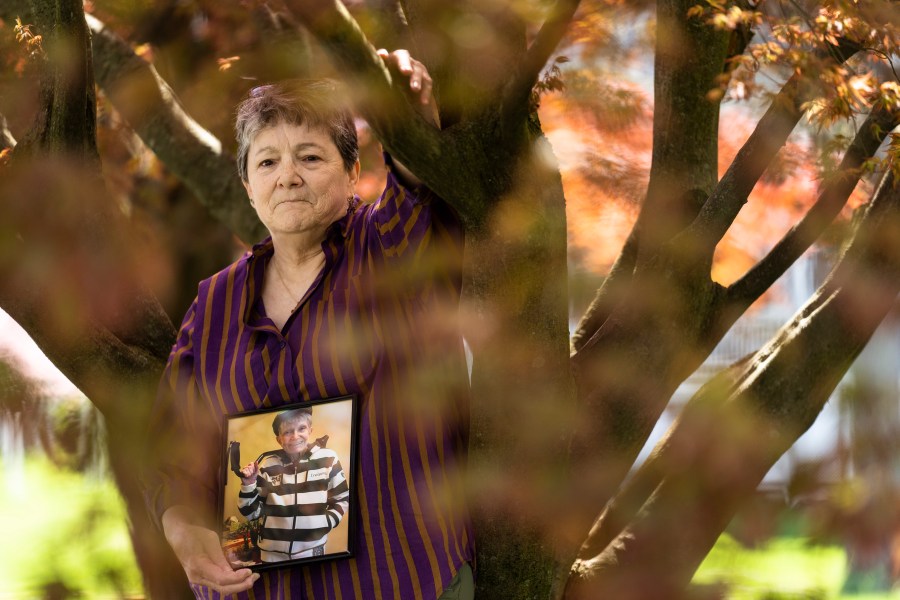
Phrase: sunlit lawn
[785,568]
[65,530]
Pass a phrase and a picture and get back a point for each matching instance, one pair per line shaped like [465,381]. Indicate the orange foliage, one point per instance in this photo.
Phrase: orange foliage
[774,206]
[599,216]
[602,204]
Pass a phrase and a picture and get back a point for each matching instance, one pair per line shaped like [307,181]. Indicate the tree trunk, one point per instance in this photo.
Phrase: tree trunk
[523,396]
[690,56]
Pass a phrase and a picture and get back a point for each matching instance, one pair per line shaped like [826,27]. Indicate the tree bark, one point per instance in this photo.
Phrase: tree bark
[523,396]
[690,56]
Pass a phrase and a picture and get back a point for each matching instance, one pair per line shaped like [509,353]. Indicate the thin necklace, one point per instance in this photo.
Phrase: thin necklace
[284,284]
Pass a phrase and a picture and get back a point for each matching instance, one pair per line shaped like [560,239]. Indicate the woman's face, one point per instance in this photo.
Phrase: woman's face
[294,436]
[296,180]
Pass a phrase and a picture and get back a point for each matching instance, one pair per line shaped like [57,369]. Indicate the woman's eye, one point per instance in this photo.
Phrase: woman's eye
[266,163]
[311,158]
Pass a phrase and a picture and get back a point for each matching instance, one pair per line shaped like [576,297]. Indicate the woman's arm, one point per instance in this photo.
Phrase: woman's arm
[420,86]
[179,476]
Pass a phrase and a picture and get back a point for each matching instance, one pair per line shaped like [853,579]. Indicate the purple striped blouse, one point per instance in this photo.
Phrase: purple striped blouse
[380,321]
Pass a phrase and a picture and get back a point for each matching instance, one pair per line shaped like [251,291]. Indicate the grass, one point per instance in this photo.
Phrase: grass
[63,535]
[785,568]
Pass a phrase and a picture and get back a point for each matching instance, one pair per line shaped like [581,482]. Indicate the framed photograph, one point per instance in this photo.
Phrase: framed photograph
[289,493]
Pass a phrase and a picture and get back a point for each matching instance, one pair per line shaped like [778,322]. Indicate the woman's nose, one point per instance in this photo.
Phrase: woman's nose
[289,175]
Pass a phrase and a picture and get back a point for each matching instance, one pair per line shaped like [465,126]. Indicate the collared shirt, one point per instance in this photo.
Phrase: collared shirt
[380,322]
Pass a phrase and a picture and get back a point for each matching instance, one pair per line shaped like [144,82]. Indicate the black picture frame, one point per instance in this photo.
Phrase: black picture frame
[280,530]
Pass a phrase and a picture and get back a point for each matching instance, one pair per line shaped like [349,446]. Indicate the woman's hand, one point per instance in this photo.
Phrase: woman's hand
[419,79]
[420,83]
[200,553]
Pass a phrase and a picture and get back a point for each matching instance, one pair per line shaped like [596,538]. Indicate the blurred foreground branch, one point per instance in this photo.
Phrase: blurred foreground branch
[69,275]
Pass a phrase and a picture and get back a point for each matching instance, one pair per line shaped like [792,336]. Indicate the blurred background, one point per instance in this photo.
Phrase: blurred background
[825,522]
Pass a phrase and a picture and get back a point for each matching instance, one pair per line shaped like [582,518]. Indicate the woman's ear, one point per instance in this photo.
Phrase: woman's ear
[354,174]
[249,193]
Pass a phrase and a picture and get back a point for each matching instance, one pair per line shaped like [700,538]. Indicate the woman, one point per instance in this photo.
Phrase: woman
[343,298]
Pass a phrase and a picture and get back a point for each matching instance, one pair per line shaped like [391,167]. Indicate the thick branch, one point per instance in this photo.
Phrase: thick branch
[433,157]
[518,90]
[656,329]
[690,57]
[67,109]
[189,151]
[384,104]
[752,159]
[829,204]
[609,295]
[619,512]
[717,457]
[97,360]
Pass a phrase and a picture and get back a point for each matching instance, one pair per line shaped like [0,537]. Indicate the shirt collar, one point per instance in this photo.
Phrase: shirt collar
[342,225]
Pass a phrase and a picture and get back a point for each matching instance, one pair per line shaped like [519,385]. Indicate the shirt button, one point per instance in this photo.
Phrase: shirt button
[282,345]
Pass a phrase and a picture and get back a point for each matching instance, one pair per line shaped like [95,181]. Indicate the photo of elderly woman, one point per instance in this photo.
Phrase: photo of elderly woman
[291,502]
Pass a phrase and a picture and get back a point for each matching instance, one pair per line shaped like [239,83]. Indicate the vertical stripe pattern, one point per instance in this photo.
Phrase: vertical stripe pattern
[379,322]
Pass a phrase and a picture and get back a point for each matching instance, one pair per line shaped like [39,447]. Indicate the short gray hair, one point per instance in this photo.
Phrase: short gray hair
[313,102]
[287,416]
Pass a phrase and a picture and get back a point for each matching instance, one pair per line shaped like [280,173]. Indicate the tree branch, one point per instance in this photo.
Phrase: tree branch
[189,151]
[518,90]
[742,293]
[770,134]
[66,121]
[97,360]
[718,454]
[383,103]
[689,58]
[433,157]
[609,295]
[619,512]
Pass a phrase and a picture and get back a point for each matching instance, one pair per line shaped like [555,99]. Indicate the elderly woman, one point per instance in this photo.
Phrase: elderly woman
[342,298]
